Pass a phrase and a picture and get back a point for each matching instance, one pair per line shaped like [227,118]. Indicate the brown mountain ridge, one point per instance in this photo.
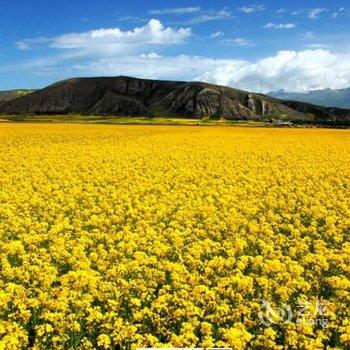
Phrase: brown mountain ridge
[127,96]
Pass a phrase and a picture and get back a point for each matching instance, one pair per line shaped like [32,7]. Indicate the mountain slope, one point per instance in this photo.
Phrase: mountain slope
[125,96]
[9,95]
[328,97]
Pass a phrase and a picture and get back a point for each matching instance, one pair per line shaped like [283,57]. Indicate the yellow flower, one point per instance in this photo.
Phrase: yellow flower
[137,236]
[104,341]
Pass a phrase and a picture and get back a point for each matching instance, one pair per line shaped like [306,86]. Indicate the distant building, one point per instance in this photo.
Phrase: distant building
[278,122]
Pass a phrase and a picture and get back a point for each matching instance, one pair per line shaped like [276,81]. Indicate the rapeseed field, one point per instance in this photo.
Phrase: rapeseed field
[116,237]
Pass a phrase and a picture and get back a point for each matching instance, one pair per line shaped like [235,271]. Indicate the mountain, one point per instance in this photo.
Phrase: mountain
[8,95]
[126,96]
[328,97]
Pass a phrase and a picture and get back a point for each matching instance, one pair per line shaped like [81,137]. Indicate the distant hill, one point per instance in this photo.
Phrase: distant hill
[327,97]
[126,96]
[8,95]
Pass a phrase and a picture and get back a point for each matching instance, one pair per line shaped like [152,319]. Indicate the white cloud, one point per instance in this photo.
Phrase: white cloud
[281,11]
[216,34]
[111,51]
[242,42]
[279,26]
[27,44]
[290,70]
[151,55]
[311,13]
[211,15]
[181,67]
[315,12]
[339,12]
[175,11]
[110,41]
[152,33]
[238,42]
[251,9]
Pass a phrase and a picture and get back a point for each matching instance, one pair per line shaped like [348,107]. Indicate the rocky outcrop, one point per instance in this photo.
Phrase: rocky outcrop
[125,96]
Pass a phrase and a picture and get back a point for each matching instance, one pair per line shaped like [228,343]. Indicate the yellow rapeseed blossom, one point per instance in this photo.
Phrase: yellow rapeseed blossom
[140,236]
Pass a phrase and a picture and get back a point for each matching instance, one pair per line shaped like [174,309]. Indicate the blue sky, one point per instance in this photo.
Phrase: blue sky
[254,45]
